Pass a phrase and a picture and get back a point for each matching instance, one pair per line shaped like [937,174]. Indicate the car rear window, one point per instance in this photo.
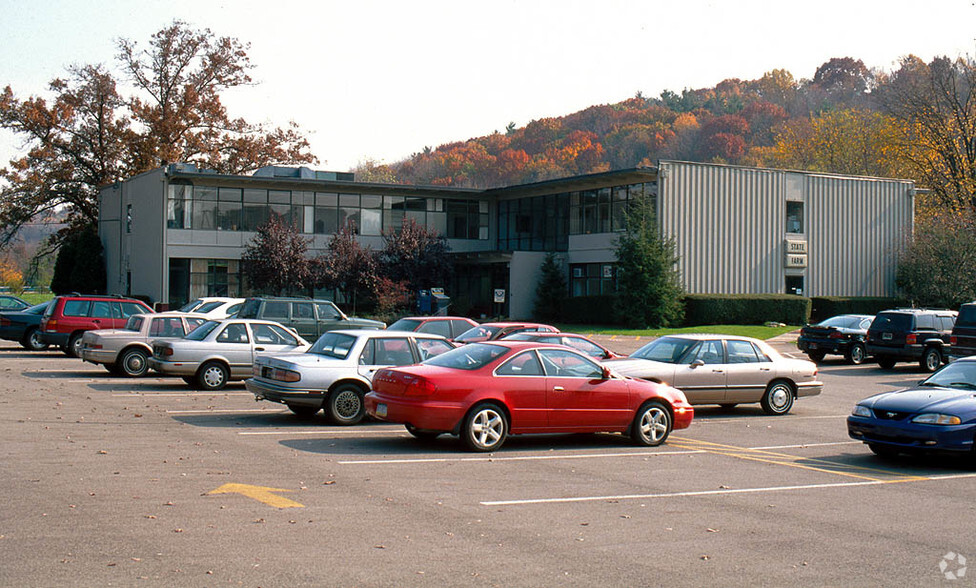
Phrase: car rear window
[335,345]
[469,357]
[967,316]
[892,321]
[841,322]
[404,325]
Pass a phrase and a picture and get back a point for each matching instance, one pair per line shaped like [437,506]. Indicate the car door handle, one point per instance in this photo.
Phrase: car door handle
[718,371]
[259,348]
[558,389]
[762,369]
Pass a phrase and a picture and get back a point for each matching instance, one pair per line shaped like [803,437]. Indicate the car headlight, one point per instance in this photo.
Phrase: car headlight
[861,411]
[931,418]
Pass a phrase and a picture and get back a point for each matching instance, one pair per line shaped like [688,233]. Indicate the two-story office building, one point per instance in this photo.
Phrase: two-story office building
[178,232]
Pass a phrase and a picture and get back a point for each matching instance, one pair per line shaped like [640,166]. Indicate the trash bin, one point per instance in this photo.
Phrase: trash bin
[439,304]
[424,300]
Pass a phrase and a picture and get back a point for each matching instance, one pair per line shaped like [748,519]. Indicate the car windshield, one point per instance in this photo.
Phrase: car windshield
[205,308]
[405,325]
[189,306]
[967,316]
[958,374]
[665,349]
[200,333]
[468,357]
[479,332]
[335,345]
[841,322]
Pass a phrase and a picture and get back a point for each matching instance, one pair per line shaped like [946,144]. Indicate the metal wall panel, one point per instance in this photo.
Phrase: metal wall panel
[729,227]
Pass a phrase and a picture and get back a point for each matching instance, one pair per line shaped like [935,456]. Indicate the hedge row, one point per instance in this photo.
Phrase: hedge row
[825,307]
[745,309]
[736,309]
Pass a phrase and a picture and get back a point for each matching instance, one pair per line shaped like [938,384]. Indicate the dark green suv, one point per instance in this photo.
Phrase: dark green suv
[308,316]
[911,334]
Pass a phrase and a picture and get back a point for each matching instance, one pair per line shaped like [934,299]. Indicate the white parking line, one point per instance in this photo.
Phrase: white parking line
[716,492]
[322,432]
[225,411]
[134,394]
[705,420]
[806,445]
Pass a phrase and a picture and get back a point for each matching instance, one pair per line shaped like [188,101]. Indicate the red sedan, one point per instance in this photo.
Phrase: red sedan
[484,392]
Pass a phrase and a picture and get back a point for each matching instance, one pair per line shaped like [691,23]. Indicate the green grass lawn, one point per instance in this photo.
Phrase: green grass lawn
[755,331]
[36,297]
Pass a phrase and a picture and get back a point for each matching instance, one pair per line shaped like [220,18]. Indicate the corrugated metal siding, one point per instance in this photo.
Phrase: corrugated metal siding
[729,227]
[855,229]
[722,220]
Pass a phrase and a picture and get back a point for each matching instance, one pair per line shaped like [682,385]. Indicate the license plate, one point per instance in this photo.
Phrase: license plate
[381,410]
[886,336]
[813,346]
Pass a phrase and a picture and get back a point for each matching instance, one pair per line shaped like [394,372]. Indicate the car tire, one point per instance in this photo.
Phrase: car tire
[212,375]
[882,450]
[303,412]
[346,405]
[423,434]
[886,363]
[816,356]
[32,340]
[652,425]
[73,349]
[856,354]
[485,428]
[134,363]
[931,359]
[778,399]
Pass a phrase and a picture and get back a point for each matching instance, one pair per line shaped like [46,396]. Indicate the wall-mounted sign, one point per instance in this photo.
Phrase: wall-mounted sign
[499,295]
[796,246]
[796,261]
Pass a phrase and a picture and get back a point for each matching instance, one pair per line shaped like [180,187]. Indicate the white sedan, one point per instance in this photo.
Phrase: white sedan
[126,351]
[217,352]
[724,370]
[336,373]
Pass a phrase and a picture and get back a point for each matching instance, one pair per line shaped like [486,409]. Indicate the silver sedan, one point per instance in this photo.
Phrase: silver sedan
[126,351]
[724,370]
[217,352]
[337,372]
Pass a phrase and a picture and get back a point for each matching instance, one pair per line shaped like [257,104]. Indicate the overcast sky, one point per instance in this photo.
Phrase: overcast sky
[382,79]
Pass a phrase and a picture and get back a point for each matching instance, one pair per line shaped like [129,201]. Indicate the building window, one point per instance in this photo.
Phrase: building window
[592,279]
[178,206]
[794,216]
[229,209]
[128,218]
[794,285]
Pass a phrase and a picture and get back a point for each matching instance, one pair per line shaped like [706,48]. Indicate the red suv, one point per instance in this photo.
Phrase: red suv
[68,317]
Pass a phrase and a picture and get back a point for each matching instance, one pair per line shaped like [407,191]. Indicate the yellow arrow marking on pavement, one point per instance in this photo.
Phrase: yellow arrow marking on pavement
[259,493]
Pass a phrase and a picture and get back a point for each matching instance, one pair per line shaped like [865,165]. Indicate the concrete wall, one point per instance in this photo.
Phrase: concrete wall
[525,270]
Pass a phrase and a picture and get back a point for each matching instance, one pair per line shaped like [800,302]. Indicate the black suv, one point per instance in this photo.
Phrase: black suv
[911,334]
[309,317]
[963,337]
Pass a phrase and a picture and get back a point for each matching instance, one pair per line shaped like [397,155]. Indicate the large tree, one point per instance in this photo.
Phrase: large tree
[349,266]
[86,133]
[938,266]
[416,255]
[648,285]
[275,261]
[936,106]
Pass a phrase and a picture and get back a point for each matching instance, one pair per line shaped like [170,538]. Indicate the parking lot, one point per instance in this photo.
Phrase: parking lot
[113,481]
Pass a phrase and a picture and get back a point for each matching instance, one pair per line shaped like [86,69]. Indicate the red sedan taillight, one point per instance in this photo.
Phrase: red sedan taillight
[952,338]
[835,335]
[5,322]
[418,386]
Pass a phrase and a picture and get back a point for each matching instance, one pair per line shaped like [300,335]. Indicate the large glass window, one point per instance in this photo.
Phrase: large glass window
[279,204]
[255,208]
[349,211]
[592,279]
[794,217]
[326,213]
[229,209]
[371,215]
[178,206]
[204,208]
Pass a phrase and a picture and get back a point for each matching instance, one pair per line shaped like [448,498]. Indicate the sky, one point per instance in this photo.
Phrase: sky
[380,80]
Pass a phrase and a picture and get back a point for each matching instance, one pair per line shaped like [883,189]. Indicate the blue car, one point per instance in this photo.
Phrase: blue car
[937,415]
[24,326]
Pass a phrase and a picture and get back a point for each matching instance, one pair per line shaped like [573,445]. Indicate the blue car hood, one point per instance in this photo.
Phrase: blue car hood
[961,403]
